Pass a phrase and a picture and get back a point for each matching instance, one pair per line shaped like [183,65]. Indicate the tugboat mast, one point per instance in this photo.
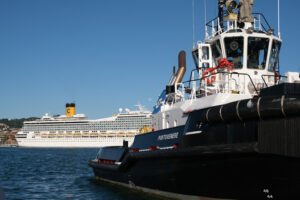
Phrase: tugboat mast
[221,14]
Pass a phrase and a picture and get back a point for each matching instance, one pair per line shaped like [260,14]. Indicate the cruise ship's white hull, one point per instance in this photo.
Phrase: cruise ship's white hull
[76,131]
[74,142]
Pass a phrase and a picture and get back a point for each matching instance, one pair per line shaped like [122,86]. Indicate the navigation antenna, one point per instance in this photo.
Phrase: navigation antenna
[193,7]
[279,34]
[206,32]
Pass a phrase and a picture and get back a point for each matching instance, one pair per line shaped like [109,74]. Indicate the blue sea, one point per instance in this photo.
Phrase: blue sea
[41,173]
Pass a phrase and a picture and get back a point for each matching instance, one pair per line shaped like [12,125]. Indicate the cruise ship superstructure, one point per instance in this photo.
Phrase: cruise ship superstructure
[75,130]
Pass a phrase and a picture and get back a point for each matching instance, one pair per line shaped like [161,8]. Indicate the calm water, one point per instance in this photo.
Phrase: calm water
[27,173]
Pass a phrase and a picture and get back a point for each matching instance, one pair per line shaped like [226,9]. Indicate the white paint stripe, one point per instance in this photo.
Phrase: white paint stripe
[193,132]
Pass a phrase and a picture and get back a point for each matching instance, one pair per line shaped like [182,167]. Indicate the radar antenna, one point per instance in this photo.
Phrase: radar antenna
[246,11]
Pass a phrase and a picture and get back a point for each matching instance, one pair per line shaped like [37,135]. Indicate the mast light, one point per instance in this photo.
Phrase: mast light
[231,6]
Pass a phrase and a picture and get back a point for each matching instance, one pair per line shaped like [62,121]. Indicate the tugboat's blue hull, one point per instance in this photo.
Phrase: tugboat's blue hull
[267,166]
[252,152]
[240,175]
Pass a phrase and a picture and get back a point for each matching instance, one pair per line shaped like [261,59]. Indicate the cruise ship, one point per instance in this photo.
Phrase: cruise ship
[75,130]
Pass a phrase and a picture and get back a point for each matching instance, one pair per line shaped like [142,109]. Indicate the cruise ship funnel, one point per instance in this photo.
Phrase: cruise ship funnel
[72,105]
[181,67]
[70,109]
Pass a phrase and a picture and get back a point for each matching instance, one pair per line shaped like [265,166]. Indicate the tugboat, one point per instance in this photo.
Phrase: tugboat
[232,131]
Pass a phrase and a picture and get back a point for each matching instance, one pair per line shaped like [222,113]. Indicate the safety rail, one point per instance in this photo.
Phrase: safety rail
[215,29]
[230,83]
[257,19]
[200,80]
[274,76]
[261,24]
[176,96]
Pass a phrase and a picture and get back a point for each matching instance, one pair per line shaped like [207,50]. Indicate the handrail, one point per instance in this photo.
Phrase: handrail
[256,14]
[229,73]
[264,19]
[192,73]
[262,76]
[207,24]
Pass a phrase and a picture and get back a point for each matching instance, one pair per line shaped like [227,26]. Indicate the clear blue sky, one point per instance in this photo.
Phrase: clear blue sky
[104,55]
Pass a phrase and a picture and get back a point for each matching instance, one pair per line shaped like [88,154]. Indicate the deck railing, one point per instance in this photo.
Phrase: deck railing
[260,24]
[225,83]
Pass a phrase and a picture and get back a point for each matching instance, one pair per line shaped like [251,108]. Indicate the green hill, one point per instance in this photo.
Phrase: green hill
[16,123]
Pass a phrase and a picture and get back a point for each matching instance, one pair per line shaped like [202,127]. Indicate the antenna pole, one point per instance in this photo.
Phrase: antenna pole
[221,15]
[206,33]
[205,11]
[193,5]
[279,34]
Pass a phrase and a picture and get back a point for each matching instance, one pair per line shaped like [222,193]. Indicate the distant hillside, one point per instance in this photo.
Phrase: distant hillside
[16,123]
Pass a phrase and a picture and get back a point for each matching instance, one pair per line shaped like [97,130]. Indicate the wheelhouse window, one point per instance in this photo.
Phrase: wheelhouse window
[205,53]
[216,51]
[274,55]
[195,57]
[234,50]
[205,57]
[257,52]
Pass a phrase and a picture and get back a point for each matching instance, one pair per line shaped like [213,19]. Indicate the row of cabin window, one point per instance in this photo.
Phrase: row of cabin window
[73,129]
[257,52]
[138,124]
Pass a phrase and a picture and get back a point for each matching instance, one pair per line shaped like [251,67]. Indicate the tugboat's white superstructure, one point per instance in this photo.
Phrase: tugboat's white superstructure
[75,130]
[252,49]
